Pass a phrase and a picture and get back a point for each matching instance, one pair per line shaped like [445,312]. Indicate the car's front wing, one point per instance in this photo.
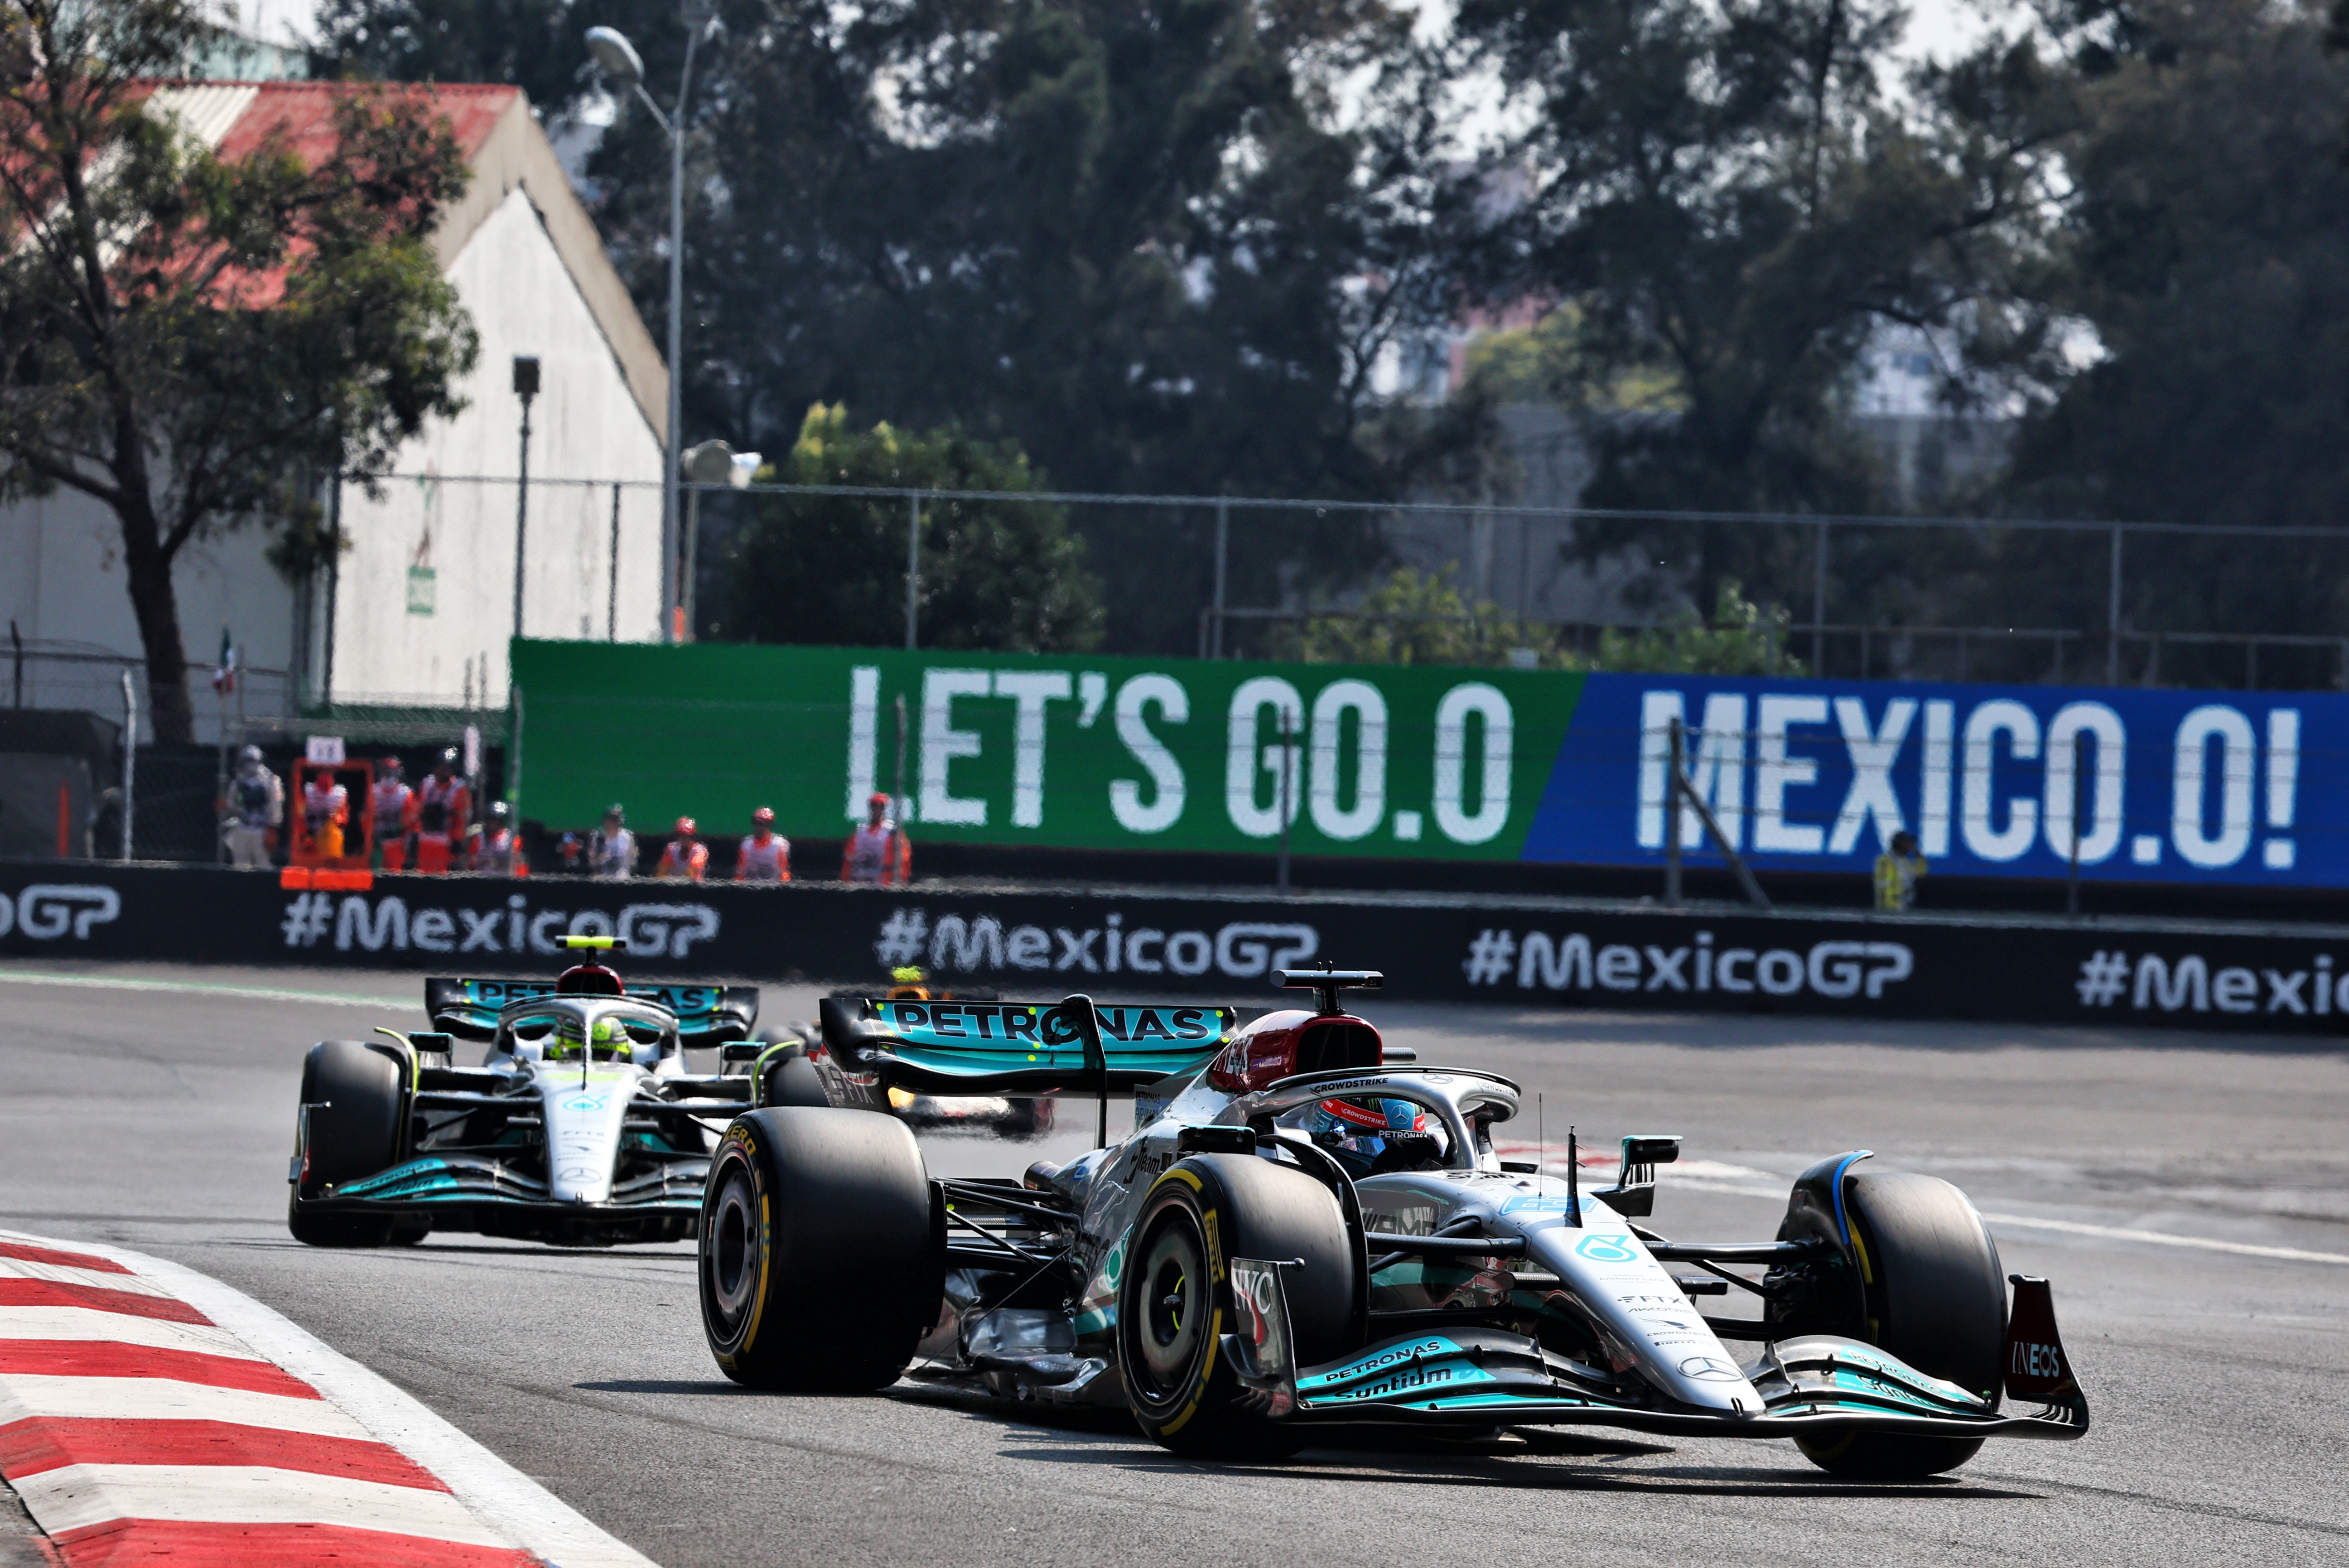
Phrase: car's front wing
[1815,1385]
[472,1192]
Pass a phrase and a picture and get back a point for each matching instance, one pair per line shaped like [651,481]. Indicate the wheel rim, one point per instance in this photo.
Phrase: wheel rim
[730,1250]
[1173,1322]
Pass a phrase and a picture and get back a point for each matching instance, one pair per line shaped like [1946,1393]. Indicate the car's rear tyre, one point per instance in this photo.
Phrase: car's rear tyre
[1175,1298]
[354,1105]
[822,1255]
[1935,1297]
[792,1080]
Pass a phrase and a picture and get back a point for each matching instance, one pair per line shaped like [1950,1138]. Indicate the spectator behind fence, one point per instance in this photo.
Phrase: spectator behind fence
[1897,870]
[764,857]
[612,848]
[326,808]
[390,803]
[252,813]
[878,852]
[444,814]
[686,857]
[497,847]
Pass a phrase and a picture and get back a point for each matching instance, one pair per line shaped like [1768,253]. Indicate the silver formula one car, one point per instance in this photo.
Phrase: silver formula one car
[583,1126]
[1298,1234]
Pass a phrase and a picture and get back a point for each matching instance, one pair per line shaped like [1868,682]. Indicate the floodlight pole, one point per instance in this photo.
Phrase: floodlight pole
[670,630]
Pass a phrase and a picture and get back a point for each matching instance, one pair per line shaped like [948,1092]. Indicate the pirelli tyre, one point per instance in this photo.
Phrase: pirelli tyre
[1174,1297]
[353,1102]
[1933,1295]
[822,1251]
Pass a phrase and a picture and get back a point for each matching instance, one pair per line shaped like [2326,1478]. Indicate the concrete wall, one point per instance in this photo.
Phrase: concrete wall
[585,424]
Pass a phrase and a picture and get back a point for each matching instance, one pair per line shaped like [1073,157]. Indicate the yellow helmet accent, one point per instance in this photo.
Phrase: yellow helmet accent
[611,1031]
[906,974]
[580,942]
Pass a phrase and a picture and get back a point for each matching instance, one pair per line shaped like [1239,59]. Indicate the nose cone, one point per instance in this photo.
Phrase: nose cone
[582,1132]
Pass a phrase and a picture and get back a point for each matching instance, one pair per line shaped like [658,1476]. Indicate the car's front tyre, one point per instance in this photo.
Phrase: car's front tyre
[1175,1298]
[823,1253]
[354,1104]
[1934,1297]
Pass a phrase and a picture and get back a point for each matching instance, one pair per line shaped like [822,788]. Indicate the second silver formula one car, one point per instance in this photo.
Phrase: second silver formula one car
[584,1124]
[1298,1234]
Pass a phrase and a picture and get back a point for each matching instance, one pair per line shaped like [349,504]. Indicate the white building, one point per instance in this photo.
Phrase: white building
[417,611]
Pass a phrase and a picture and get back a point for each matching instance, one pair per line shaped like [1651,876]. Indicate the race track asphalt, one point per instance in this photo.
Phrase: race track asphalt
[159,1115]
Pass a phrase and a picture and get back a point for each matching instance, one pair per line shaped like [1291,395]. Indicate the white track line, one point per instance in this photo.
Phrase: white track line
[2069,1228]
[199,988]
[501,1494]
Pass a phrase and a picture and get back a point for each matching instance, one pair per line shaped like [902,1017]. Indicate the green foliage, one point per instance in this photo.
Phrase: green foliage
[1733,200]
[1412,617]
[1740,639]
[1003,576]
[1420,618]
[2207,264]
[180,332]
[1127,234]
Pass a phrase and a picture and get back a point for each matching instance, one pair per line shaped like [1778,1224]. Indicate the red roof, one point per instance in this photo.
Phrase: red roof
[303,113]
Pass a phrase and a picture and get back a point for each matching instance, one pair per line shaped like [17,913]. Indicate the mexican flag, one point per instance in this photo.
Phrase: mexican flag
[224,672]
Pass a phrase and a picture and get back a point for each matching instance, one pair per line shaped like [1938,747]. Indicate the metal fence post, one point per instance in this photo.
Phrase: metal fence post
[130,759]
[2079,784]
[1223,544]
[913,566]
[1819,602]
[2113,614]
[1672,821]
[1287,765]
[612,609]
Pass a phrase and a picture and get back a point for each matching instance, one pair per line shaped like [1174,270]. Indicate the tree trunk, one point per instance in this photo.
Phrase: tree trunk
[155,601]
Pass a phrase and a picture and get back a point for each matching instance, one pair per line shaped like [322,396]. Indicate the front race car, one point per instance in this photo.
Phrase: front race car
[1305,1229]
[584,1124]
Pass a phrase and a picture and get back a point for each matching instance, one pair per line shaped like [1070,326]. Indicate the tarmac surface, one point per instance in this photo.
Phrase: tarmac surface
[153,1106]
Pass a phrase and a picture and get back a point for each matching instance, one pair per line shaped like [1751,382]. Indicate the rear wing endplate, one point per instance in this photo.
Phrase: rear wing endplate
[1019,1047]
[705,1014]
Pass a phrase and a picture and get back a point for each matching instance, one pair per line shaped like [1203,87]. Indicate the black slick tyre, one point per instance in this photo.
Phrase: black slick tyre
[822,1255]
[1934,1297]
[355,1103]
[792,1080]
[1173,1303]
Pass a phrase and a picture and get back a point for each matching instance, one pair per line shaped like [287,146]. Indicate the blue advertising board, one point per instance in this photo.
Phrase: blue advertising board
[2235,788]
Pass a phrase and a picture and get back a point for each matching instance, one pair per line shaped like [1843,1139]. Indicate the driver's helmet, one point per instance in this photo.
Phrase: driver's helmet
[606,1036]
[1351,1119]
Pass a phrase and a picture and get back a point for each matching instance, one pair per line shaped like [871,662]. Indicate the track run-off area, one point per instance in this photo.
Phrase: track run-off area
[2188,1195]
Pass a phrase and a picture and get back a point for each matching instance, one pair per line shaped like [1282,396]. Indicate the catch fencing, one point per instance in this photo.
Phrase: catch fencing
[1220,577]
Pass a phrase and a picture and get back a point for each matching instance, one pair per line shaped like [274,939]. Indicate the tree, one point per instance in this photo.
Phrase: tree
[1727,194]
[1139,237]
[1004,575]
[180,331]
[2206,272]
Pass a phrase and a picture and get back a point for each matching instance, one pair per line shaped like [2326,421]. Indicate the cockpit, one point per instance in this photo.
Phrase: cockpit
[587,1029]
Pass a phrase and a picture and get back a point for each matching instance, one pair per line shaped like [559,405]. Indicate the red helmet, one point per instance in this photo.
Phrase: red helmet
[764,816]
[878,799]
[685,828]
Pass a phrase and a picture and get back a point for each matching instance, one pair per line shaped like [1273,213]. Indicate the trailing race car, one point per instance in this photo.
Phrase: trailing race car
[1297,1234]
[788,1074]
[582,1125]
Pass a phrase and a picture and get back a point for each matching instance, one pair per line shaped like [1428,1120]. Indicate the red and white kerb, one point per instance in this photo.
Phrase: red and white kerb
[135,1428]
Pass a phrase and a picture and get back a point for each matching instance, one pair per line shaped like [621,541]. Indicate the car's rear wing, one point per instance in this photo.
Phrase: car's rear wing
[705,1014]
[1020,1048]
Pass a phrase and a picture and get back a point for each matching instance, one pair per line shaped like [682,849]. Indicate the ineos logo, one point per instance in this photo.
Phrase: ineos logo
[47,910]
[2036,1360]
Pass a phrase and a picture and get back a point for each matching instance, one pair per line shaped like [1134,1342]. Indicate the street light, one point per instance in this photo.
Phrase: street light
[618,59]
[711,462]
[525,386]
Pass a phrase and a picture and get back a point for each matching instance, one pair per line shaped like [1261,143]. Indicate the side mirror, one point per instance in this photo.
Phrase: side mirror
[1634,1192]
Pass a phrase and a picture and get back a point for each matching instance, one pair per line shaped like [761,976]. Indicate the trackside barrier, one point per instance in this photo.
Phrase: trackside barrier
[1521,952]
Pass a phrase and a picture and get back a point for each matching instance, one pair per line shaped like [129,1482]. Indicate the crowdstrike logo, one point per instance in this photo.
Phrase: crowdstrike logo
[46,911]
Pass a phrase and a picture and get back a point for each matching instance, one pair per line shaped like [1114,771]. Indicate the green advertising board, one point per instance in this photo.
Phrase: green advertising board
[1075,752]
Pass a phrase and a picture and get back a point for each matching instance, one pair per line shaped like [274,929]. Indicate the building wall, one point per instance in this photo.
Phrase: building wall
[66,591]
[439,516]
